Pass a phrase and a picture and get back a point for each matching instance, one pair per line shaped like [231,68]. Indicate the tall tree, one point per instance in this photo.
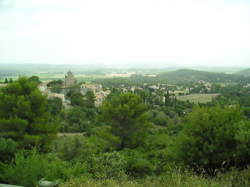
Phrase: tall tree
[23,114]
[127,115]
[6,80]
[211,137]
[89,100]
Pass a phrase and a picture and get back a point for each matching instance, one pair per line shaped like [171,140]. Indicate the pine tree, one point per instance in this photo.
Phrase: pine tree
[23,115]
[128,118]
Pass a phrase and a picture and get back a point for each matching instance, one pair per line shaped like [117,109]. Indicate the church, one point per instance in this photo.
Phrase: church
[69,80]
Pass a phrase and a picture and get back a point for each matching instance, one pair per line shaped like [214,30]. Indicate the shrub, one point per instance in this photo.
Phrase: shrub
[74,147]
[107,166]
[211,139]
[27,168]
[242,137]
[137,163]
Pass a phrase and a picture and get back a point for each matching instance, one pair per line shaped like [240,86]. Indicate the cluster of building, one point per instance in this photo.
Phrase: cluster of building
[71,83]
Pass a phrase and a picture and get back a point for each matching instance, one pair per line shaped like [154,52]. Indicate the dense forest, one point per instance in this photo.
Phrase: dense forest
[142,137]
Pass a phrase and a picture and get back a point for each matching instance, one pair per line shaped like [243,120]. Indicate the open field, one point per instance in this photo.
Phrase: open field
[198,98]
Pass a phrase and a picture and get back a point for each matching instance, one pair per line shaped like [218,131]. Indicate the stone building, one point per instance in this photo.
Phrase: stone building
[90,87]
[100,97]
[69,80]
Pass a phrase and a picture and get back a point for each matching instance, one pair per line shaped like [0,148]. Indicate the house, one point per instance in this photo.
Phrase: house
[100,97]
[56,95]
[84,88]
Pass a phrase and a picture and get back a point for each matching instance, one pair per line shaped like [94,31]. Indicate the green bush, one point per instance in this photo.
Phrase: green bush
[107,166]
[157,149]
[79,146]
[212,138]
[27,168]
[137,164]
[242,137]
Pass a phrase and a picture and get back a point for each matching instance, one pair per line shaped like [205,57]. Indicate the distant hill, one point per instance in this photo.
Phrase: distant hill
[188,75]
[245,73]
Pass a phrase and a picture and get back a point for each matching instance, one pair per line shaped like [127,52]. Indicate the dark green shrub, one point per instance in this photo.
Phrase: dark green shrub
[212,139]
[137,164]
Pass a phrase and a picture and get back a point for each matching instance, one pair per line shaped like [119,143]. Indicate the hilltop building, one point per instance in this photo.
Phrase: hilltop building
[69,80]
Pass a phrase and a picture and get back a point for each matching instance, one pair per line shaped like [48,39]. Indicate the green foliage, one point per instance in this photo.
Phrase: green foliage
[137,163]
[55,86]
[188,75]
[23,114]
[28,168]
[74,147]
[160,118]
[6,81]
[103,138]
[236,178]
[121,143]
[242,137]
[89,99]
[7,149]
[34,79]
[174,177]
[55,105]
[76,120]
[76,99]
[157,149]
[128,118]
[212,138]
[107,166]
[55,83]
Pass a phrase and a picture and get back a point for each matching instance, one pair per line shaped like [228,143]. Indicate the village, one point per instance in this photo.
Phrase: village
[201,91]
[70,83]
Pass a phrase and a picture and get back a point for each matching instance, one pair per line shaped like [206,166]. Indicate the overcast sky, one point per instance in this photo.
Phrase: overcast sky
[181,32]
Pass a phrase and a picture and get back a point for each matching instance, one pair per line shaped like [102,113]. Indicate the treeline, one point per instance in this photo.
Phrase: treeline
[182,76]
[134,137]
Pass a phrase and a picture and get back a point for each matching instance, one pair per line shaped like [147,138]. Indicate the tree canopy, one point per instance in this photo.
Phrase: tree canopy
[23,114]
[127,115]
[212,138]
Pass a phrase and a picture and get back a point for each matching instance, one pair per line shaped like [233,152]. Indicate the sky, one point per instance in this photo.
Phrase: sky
[145,32]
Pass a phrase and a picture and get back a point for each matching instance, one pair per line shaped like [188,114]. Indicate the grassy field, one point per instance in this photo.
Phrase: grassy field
[197,98]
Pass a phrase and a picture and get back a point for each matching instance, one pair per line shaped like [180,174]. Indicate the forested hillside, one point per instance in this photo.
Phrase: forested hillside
[245,72]
[188,75]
